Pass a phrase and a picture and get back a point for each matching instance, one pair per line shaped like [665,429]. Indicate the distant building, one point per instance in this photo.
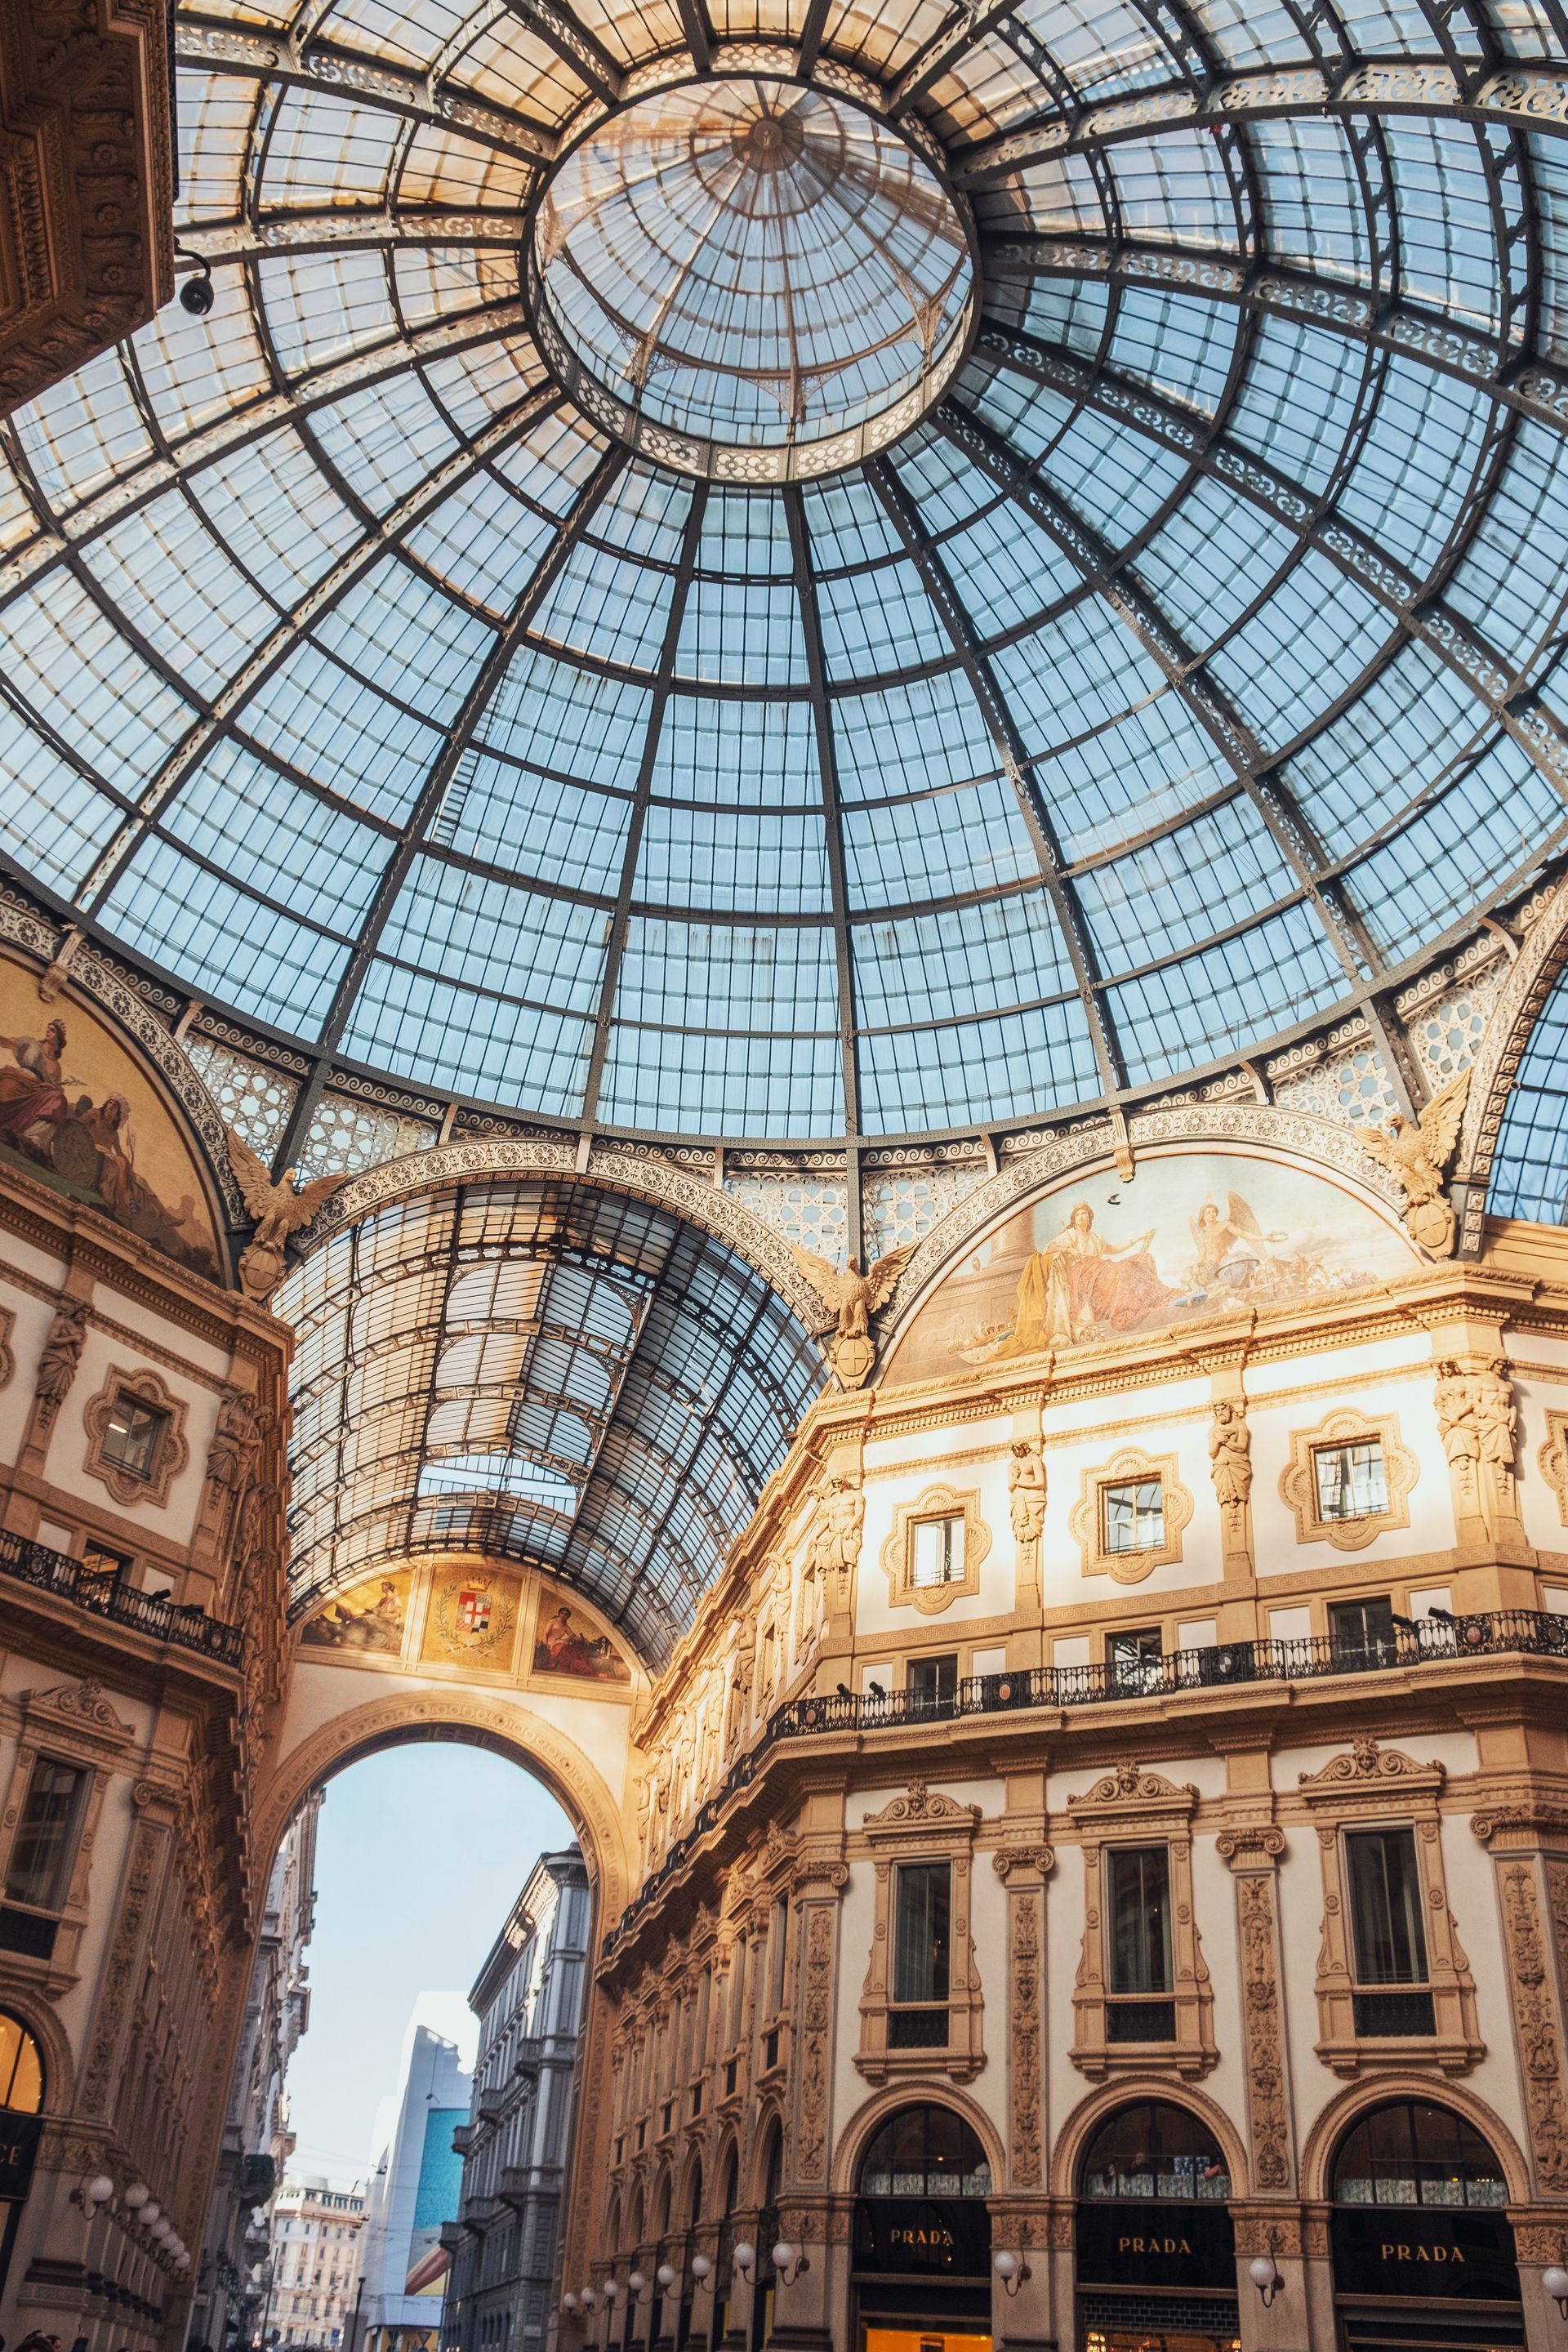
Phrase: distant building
[256,2141]
[529,2001]
[414,2188]
[315,2265]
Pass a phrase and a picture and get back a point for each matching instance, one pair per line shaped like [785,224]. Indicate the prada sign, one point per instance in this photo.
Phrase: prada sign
[1444,2253]
[1146,2243]
[923,2237]
[19,2136]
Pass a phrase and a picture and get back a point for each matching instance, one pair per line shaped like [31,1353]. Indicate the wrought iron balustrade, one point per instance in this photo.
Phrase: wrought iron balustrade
[189,1628]
[1224,1664]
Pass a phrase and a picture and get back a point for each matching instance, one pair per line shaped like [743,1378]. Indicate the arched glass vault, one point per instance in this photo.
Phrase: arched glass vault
[540,1370]
[1186,675]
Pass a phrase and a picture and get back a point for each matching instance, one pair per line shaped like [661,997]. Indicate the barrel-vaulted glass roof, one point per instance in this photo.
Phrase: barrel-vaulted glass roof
[1189,670]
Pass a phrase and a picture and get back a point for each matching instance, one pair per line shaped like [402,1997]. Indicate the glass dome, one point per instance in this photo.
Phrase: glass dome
[753,265]
[1185,677]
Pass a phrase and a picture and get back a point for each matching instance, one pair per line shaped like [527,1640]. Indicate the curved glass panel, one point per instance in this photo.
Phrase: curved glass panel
[1413,2152]
[1184,675]
[1154,2149]
[924,2151]
[1530,1167]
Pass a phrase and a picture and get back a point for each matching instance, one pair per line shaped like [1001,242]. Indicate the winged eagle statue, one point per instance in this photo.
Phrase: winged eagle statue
[279,1206]
[853,1298]
[1417,1157]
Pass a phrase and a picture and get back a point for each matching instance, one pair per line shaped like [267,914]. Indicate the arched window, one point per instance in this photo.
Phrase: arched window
[22,2096]
[924,2151]
[1411,2152]
[772,2171]
[1154,2149]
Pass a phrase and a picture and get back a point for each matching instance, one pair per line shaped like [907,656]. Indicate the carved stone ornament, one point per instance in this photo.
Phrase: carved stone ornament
[1268,2110]
[1230,1453]
[1135,1784]
[1131,1466]
[922,1804]
[83,1702]
[819,1971]
[835,1543]
[1365,1761]
[7,1359]
[1537,2025]
[1027,1493]
[1552,1460]
[1299,1479]
[170,1453]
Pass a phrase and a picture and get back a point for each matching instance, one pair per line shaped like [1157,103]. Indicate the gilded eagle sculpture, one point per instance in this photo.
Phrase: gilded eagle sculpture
[1417,1155]
[853,1298]
[279,1207]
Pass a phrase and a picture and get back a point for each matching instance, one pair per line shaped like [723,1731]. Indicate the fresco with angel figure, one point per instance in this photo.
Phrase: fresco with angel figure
[1188,1234]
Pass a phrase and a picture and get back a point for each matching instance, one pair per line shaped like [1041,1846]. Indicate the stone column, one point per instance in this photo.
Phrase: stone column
[1254,1854]
[1529,1845]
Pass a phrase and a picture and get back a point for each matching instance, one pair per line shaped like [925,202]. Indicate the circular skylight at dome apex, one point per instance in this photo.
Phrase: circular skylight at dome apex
[743,267]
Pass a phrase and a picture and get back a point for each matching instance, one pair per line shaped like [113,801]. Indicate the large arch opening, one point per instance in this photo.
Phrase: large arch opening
[1155,2241]
[438,1865]
[1421,2240]
[923,2233]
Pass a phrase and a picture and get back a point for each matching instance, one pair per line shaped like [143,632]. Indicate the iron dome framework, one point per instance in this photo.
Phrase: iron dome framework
[1189,674]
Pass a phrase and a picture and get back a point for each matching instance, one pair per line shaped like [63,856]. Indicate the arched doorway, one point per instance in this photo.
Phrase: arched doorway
[922,2236]
[1155,2243]
[21,2126]
[1423,2248]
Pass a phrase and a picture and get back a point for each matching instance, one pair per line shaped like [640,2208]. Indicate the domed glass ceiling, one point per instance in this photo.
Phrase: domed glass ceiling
[1186,674]
[754,264]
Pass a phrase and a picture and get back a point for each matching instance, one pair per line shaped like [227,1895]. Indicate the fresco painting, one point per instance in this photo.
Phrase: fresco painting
[565,1643]
[78,1114]
[1188,1236]
[366,1620]
[473,1618]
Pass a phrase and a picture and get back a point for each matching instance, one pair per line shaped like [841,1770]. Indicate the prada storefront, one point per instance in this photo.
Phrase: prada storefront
[922,2237]
[1155,2243]
[1422,2249]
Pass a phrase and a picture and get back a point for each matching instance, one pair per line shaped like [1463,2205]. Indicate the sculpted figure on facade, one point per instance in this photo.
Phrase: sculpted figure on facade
[61,1354]
[1417,1158]
[1027,1492]
[1230,1453]
[739,1707]
[1478,1423]
[837,1530]
[236,1446]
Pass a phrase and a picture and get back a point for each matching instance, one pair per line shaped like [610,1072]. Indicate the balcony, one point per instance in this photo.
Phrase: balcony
[153,1613]
[1228,1666]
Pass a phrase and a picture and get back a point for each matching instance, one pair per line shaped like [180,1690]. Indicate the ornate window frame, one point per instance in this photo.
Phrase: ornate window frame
[1086,1518]
[1551,1460]
[1299,1484]
[1371,1786]
[1133,1806]
[923,1826]
[898,1553]
[172,1452]
[77,1724]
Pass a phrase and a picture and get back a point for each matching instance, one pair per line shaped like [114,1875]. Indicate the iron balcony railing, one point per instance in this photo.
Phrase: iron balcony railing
[180,1623]
[1225,1665]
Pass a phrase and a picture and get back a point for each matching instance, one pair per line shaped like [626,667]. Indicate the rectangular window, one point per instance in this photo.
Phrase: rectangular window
[1389,1938]
[97,1559]
[1351,1481]
[133,1435]
[1140,1906]
[933,1679]
[922,1932]
[1363,1629]
[1385,1906]
[45,1847]
[1137,1660]
[778,1956]
[938,1553]
[1134,1517]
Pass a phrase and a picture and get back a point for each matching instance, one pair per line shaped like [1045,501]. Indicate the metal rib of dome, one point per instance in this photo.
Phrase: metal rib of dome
[1189,673]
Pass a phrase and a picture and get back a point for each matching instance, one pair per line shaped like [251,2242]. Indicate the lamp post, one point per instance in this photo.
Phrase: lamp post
[1555,2281]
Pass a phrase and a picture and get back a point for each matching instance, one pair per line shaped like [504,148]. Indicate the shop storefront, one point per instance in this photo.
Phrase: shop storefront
[21,2124]
[922,2237]
[1422,2250]
[1156,2247]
